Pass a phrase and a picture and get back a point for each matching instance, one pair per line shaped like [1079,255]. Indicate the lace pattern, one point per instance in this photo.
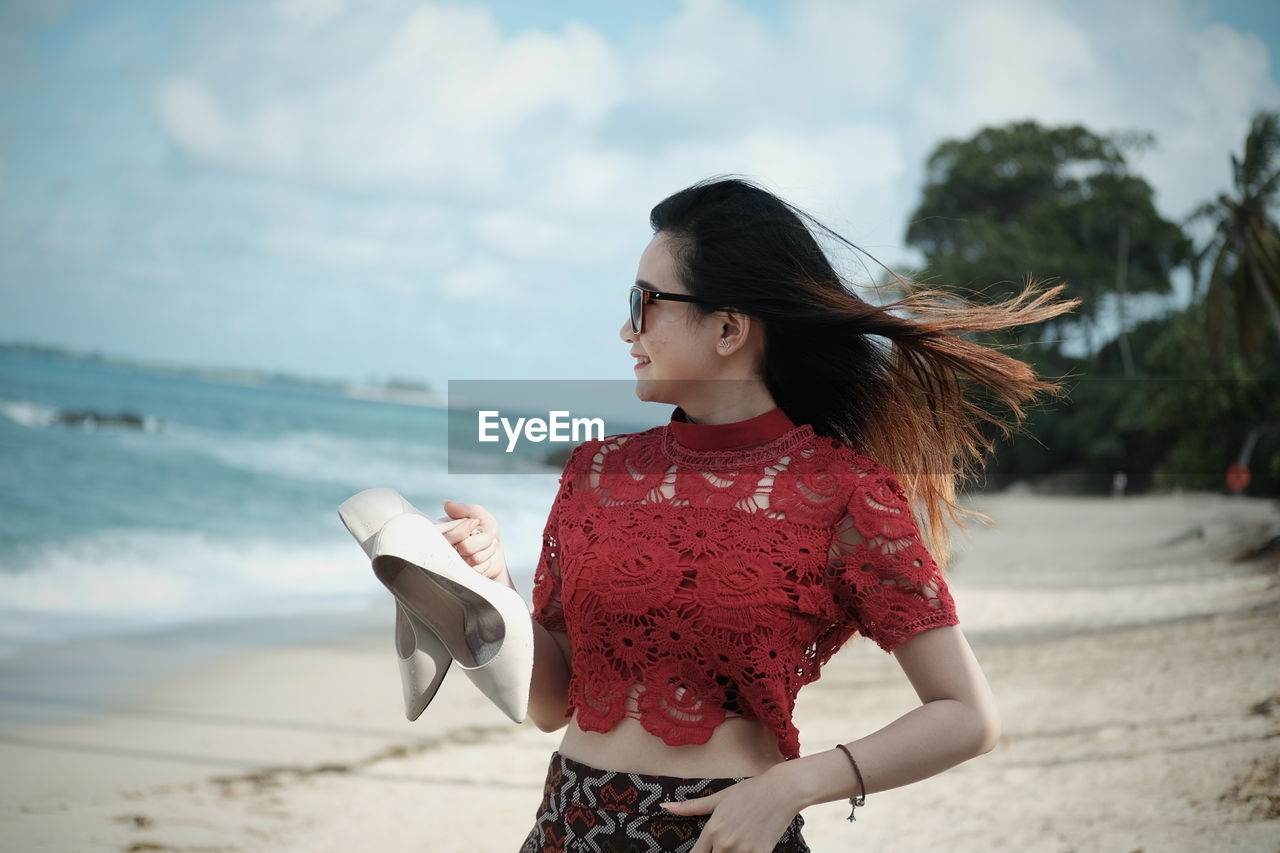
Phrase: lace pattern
[700,585]
[717,459]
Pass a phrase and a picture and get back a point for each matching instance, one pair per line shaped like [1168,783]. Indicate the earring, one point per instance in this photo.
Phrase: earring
[724,343]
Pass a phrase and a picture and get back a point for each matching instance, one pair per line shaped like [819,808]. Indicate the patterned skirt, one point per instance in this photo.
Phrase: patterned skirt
[584,809]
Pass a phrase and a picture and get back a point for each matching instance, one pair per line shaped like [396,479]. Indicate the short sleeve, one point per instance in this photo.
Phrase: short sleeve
[884,580]
[547,608]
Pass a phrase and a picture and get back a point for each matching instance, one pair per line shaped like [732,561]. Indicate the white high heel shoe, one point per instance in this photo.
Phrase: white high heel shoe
[484,625]
[422,658]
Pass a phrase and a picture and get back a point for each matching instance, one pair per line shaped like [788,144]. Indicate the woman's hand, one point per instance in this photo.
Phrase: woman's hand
[749,817]
[477,540]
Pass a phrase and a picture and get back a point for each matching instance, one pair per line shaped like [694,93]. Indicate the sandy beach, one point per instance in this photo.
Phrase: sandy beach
[1134,659]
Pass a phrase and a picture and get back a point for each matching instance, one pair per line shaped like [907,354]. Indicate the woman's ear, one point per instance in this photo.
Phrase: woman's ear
[736,328]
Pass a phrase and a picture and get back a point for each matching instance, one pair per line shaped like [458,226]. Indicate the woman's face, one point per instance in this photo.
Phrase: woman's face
[674,349]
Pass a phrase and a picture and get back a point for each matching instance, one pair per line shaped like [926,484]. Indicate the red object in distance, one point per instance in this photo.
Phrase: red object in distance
[1237,477]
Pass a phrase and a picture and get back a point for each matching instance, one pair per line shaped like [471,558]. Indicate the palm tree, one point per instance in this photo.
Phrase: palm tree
[1243,291]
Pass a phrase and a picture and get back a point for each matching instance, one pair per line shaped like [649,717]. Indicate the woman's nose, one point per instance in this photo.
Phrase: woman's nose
[625,332]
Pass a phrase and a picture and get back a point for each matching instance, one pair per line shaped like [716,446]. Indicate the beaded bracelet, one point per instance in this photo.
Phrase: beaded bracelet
[854,802]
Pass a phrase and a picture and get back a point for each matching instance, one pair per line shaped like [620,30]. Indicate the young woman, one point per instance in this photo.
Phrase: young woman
[695,575]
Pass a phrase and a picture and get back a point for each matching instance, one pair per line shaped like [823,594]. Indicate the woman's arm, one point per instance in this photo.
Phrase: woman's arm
[549,691]
[957,721]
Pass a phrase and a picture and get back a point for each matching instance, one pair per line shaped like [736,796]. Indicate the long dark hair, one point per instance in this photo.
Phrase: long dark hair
[738,245]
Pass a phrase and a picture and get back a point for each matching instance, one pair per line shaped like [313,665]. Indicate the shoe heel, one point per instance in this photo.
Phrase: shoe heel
[485,625]
[421,657]
[423,662]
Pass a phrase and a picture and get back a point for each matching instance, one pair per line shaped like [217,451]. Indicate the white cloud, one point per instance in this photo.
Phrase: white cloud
[1003,61]
[190,113]
[430,97]
[526,238]
[1149,66]
[479,280]
[715,69]
[435,99]
[402,157]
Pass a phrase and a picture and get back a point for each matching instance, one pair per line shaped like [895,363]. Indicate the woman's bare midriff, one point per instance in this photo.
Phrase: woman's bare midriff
[737,747]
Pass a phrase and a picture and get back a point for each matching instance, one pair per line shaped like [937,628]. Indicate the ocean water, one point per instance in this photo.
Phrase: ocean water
[223,506]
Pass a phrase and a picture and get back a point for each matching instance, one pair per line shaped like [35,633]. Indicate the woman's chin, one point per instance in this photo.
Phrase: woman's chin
[649,390]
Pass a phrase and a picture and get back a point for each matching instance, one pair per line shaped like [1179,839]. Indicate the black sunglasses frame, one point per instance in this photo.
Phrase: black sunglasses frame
[646,296]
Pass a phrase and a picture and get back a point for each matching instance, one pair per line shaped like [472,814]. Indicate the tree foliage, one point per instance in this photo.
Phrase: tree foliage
[1242,298]
[1049,202]
[1023,200]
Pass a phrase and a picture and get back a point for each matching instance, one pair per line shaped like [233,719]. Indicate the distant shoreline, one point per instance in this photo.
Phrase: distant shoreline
[398,390]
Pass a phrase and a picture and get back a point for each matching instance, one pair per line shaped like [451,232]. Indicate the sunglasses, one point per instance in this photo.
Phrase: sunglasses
[642,296]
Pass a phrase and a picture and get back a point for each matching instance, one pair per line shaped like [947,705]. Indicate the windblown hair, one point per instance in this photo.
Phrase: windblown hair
[740,247]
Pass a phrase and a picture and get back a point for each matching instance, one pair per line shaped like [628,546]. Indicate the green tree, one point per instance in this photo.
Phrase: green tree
[1243,294]
[1205,412]
[1024,200]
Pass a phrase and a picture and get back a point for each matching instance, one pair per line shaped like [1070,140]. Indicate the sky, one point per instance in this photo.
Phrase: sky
[461,190]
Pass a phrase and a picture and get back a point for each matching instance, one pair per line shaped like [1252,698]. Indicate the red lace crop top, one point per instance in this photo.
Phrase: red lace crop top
[703,571]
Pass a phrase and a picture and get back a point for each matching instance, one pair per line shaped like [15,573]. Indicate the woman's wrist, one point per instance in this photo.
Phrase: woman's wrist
[821,777]
[791,780]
